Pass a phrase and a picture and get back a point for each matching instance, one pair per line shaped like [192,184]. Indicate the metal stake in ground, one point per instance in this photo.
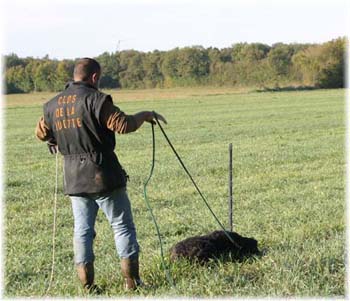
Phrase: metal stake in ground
[230,193]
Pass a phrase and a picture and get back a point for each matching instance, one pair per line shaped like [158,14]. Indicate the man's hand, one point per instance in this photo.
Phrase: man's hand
[147,116]
[52,148]
[156,116]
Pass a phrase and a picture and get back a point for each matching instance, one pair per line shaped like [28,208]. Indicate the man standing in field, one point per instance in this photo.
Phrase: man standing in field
[80,122]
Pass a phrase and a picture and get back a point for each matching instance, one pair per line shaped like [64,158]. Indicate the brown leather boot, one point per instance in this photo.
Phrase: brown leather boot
[130,271]
[86,274]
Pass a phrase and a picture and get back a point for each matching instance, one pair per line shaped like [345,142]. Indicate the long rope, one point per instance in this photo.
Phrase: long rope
[165,267]
[194,183]
[54,228]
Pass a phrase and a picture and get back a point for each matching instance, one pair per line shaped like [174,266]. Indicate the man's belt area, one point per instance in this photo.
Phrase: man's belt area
[93,172]
[96,157]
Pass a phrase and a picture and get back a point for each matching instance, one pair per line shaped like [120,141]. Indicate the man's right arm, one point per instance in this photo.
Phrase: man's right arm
[116,120]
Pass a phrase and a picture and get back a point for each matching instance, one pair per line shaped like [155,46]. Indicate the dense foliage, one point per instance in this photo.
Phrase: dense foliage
[243,64]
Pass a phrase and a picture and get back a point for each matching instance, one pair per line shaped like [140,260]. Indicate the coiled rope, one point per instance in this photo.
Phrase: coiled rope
[165,267]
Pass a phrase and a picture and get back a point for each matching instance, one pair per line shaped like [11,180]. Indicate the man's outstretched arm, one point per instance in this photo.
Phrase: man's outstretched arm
[116,120]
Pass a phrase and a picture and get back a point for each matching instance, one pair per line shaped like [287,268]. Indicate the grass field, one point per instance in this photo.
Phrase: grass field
[289,169]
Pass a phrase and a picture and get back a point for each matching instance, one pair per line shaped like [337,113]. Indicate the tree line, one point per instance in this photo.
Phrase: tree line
[243,64]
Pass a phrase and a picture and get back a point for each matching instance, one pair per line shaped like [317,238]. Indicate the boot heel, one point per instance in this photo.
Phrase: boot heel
[130,271]
[86,274]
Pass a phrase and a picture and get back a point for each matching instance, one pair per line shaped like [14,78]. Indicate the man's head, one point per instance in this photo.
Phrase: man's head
[87,70]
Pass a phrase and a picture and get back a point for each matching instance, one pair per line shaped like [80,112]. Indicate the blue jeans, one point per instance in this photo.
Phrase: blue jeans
[116,207]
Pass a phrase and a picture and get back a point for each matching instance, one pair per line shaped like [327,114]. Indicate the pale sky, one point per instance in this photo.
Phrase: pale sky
[71,29]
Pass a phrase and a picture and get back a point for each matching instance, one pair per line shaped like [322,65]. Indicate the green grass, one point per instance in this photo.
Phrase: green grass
[289,169]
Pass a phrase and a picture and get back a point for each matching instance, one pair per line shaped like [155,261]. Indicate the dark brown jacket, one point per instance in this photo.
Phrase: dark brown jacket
[81,121]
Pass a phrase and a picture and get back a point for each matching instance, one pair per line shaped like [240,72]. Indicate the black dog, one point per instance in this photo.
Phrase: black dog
[214,245]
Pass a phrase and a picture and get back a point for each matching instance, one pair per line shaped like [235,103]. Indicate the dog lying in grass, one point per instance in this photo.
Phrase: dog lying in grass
[214,245]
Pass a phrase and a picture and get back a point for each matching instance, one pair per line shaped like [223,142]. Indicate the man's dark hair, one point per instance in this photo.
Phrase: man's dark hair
[84,68]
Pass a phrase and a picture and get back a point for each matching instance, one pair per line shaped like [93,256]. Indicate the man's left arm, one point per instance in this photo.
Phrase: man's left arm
[42,131]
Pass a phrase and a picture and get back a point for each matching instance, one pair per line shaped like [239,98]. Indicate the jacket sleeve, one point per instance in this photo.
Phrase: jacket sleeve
[116,120]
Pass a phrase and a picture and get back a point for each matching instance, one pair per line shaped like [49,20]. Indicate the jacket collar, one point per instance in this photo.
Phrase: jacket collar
[79,83]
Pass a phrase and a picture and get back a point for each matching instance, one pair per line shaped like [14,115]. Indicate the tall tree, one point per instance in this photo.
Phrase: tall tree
[152,66]
[45,76]
[132,73]
[279,58]
[64,73]
[12,60]
[110,70]
[322,65]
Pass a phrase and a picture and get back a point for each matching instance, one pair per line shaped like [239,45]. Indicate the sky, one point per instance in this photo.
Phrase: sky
[71,29]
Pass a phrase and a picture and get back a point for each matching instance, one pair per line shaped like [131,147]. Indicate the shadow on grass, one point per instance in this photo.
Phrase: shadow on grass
[237,257]
[230,257]
[288,88]
[11,184]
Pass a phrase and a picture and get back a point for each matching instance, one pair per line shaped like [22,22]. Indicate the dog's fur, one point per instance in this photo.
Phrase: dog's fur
[214,245]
